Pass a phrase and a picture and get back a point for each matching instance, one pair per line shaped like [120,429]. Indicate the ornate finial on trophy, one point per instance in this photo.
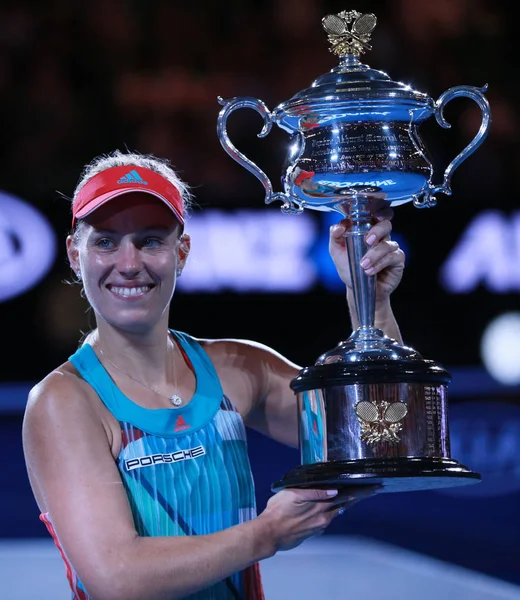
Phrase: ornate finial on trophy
[353,40]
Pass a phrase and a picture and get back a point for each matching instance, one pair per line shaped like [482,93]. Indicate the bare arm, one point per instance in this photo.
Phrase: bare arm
[272,410]
[384,260]
[275,412]
[384,318]
[75,479]
[257,380]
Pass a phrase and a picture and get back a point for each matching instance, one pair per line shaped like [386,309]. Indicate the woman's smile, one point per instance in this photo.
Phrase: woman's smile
[130,293]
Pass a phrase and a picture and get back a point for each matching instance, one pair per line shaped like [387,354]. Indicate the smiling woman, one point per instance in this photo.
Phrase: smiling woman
[129,252]
[136,445]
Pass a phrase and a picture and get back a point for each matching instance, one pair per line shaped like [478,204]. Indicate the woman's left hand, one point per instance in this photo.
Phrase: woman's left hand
[384,257]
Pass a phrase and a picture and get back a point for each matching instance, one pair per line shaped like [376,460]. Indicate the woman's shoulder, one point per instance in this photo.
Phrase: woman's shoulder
[242,353]
[59,379]
[57,390]
[229,347]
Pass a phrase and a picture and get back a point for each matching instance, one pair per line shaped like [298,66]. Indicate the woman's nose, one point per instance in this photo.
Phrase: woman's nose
[129,260]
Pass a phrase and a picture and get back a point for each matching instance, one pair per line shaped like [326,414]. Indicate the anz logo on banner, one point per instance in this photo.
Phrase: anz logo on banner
[266,251]
[259,251]
[27,246]
[487,254]
[262,250]
[249,251]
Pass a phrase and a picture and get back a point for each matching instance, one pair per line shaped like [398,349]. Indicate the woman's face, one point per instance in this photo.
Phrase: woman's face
[128,252]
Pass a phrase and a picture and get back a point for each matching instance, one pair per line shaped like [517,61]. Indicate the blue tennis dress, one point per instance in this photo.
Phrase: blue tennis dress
[186,470]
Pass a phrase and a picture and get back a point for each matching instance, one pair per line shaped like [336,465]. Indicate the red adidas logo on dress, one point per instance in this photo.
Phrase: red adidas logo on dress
[180,424]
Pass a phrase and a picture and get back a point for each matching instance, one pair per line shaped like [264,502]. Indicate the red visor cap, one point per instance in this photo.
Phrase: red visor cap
[117,181]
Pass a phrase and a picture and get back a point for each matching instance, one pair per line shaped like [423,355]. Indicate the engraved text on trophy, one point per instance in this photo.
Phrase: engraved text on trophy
[363,147]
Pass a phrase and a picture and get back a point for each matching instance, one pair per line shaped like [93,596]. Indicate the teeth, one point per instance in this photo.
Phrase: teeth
[127,292]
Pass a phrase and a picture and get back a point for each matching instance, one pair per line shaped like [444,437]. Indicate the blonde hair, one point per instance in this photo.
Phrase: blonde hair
[148,161]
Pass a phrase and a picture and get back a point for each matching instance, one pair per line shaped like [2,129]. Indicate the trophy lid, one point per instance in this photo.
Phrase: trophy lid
[352,85]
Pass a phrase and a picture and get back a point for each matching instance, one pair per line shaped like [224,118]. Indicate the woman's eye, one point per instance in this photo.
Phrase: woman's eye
[151,242]
[104,243]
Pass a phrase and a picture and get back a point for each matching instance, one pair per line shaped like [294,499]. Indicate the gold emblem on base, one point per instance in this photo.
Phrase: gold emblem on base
[380,421]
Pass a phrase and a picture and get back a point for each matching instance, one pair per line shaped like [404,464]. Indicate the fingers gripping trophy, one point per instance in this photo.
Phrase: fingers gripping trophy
[371,411]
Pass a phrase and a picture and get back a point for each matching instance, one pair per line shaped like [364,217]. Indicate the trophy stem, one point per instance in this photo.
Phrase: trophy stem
[357,210]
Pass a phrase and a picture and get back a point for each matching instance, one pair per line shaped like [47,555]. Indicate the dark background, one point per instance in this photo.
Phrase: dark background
[78,79]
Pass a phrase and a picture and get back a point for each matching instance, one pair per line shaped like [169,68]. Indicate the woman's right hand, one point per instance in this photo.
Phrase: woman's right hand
[294,515]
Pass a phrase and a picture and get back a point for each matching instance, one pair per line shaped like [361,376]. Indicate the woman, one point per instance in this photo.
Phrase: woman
[135,447]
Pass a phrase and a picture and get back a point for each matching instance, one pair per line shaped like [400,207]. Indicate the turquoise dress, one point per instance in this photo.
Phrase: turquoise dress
[185,470]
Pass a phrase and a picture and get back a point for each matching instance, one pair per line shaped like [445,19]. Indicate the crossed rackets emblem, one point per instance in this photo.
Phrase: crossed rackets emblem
[349,41]
[380,421]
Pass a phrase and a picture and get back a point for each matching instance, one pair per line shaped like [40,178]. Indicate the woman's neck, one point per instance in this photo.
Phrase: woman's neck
[148,357]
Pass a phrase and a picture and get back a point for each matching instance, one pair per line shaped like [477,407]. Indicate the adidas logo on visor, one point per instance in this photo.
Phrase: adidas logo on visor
[132,177]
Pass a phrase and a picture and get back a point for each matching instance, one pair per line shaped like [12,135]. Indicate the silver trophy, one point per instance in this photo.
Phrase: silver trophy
[371,411]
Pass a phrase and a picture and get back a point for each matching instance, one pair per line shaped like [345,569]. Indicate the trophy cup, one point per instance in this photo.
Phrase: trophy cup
[371,411]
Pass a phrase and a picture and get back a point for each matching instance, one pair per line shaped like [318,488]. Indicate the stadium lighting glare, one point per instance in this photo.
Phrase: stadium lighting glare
[500,348]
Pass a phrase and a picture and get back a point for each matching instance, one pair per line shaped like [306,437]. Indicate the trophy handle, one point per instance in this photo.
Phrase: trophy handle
[229,106]
[476,94]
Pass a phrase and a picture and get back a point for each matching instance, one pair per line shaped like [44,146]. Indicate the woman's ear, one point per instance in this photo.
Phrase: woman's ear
[183,249]
[73,254]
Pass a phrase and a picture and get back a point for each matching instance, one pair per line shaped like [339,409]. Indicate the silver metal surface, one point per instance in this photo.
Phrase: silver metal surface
[354,128]
[366,342]
[354,140]
[405,420]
